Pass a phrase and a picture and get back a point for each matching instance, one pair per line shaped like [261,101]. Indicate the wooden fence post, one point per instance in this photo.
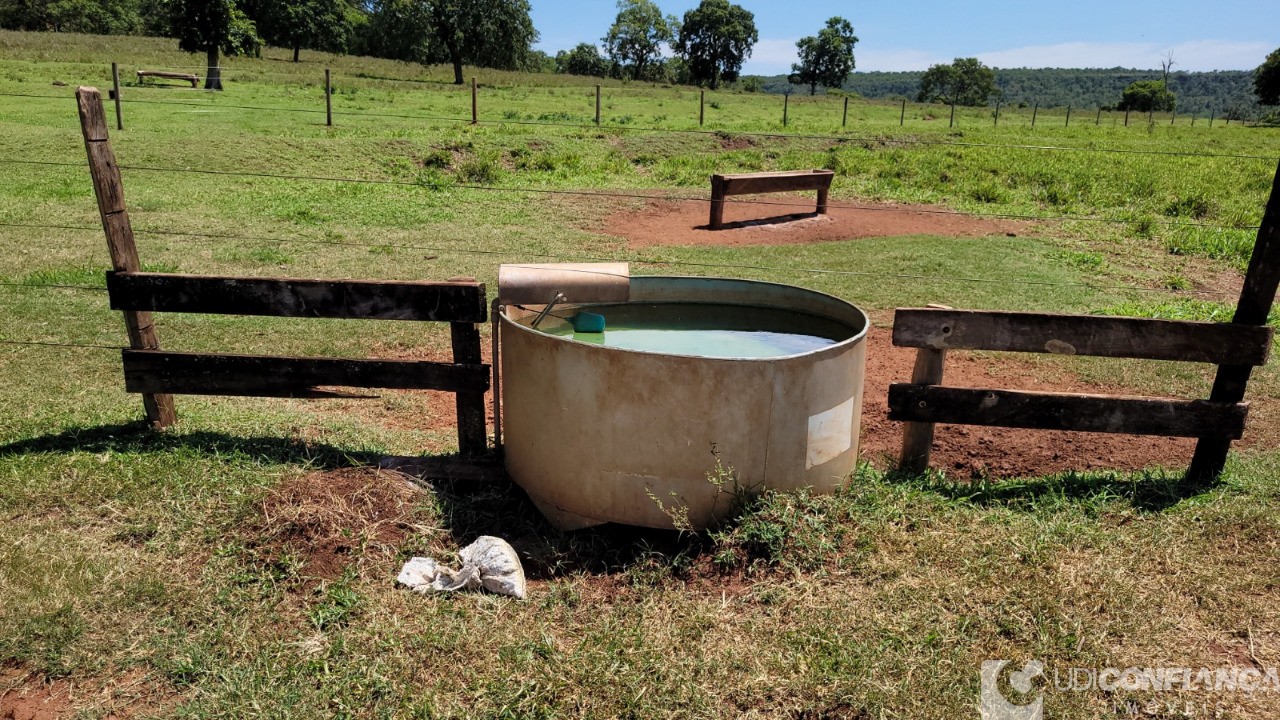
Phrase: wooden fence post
[115,93]
[1068,123]
[1126,117]
[1173,117]
[1256,299]
[597,106]
[1212,113]
[917,437]
[328,99]
[702,107]
[786,100]
[844,119]
[952,123]
[717,202]
[1098,121]
[475,114]
[902,118]
[1034,113]
[997,122]
[115,224]
[465,338]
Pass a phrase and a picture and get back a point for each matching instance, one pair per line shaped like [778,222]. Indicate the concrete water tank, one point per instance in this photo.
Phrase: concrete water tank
[630,430]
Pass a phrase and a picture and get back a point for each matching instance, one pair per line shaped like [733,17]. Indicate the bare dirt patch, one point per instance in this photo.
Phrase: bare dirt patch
[327,521]
[1001,452]
[25,696]
[791,221]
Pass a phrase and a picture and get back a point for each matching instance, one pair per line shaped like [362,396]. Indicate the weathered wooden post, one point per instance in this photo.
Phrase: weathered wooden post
[1256,299]
[702,107]
[1098,120]
[917,437]
[115,224]
[903,116]
[844,119]
[1034,112]
[1126,117]
[786,100]
[597,106]
[475,114]
[717,202]
[1173,116]
[115,94]
[328,99]
[952,123]
[997,122]
[1068,123]
[1212,114]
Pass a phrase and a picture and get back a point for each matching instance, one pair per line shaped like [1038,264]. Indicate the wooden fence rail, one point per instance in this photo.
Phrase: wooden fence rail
[158,375]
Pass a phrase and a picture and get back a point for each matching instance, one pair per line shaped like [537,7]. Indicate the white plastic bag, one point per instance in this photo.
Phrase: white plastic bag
[489,562]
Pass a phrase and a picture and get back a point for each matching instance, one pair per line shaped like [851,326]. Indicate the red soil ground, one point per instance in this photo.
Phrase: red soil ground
[665,222]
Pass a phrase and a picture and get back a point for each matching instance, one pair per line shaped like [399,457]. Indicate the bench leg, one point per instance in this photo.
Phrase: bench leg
[822,200]
[717,204]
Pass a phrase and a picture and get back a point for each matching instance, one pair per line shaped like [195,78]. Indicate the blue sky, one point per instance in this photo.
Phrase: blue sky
[1203,35]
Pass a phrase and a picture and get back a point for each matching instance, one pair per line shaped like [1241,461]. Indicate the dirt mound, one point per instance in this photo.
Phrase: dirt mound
[329,520]
[1001,452]
[791,221]
[37,701]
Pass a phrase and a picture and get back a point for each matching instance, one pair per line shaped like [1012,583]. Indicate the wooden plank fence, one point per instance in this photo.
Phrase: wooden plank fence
[1236,348]
[158,375]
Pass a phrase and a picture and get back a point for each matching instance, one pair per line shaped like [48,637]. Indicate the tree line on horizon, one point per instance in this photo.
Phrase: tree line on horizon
[709,43]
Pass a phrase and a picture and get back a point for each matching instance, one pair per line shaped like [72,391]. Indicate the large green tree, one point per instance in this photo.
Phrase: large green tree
[585,59]
[964,82]
[826,59]
[213,27]
[487,33]
[99,17]
[311,24]
[1147,96]
[714,40]
[634,41]
[1266,80]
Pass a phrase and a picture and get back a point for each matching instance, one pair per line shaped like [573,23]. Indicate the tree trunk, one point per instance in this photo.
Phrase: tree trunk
[457,71]
[296,48]
[813,89]
[213,78]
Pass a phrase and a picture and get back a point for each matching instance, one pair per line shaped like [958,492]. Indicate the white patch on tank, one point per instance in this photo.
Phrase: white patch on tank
[830,434]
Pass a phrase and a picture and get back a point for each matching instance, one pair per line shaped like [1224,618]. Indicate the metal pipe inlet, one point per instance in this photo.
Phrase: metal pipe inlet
[664,437]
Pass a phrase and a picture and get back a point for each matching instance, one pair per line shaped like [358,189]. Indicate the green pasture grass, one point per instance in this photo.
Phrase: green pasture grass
[125,552]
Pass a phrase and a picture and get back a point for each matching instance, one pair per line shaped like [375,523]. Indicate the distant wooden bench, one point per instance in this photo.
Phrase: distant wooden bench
[752,183]
[193,79]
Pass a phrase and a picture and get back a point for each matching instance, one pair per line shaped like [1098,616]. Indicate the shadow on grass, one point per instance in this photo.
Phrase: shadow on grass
[762,222]
[140,438]
[470,506]
[1147,491]
[499,507]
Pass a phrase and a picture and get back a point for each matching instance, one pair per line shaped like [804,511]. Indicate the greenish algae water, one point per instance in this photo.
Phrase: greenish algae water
[704,330]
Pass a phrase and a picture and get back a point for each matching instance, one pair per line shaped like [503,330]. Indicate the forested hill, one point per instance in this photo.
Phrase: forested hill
[1199,92]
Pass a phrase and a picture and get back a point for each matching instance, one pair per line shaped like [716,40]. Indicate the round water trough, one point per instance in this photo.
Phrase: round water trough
[692,378]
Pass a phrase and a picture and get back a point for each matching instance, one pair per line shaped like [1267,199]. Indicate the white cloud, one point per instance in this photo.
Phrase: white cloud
[1193,55]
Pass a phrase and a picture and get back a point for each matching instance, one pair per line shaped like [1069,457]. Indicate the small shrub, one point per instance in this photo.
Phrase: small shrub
[988,192]
[1144,227]
[439,159]
[1176,282]
[714,104]
[480,169]
[1193,206]
[433,179]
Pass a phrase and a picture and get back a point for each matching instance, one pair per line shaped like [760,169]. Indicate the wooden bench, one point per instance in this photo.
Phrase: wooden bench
[193,79]
[751,183]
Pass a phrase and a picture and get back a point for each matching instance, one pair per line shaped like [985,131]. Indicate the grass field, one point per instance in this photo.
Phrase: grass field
[145,573]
